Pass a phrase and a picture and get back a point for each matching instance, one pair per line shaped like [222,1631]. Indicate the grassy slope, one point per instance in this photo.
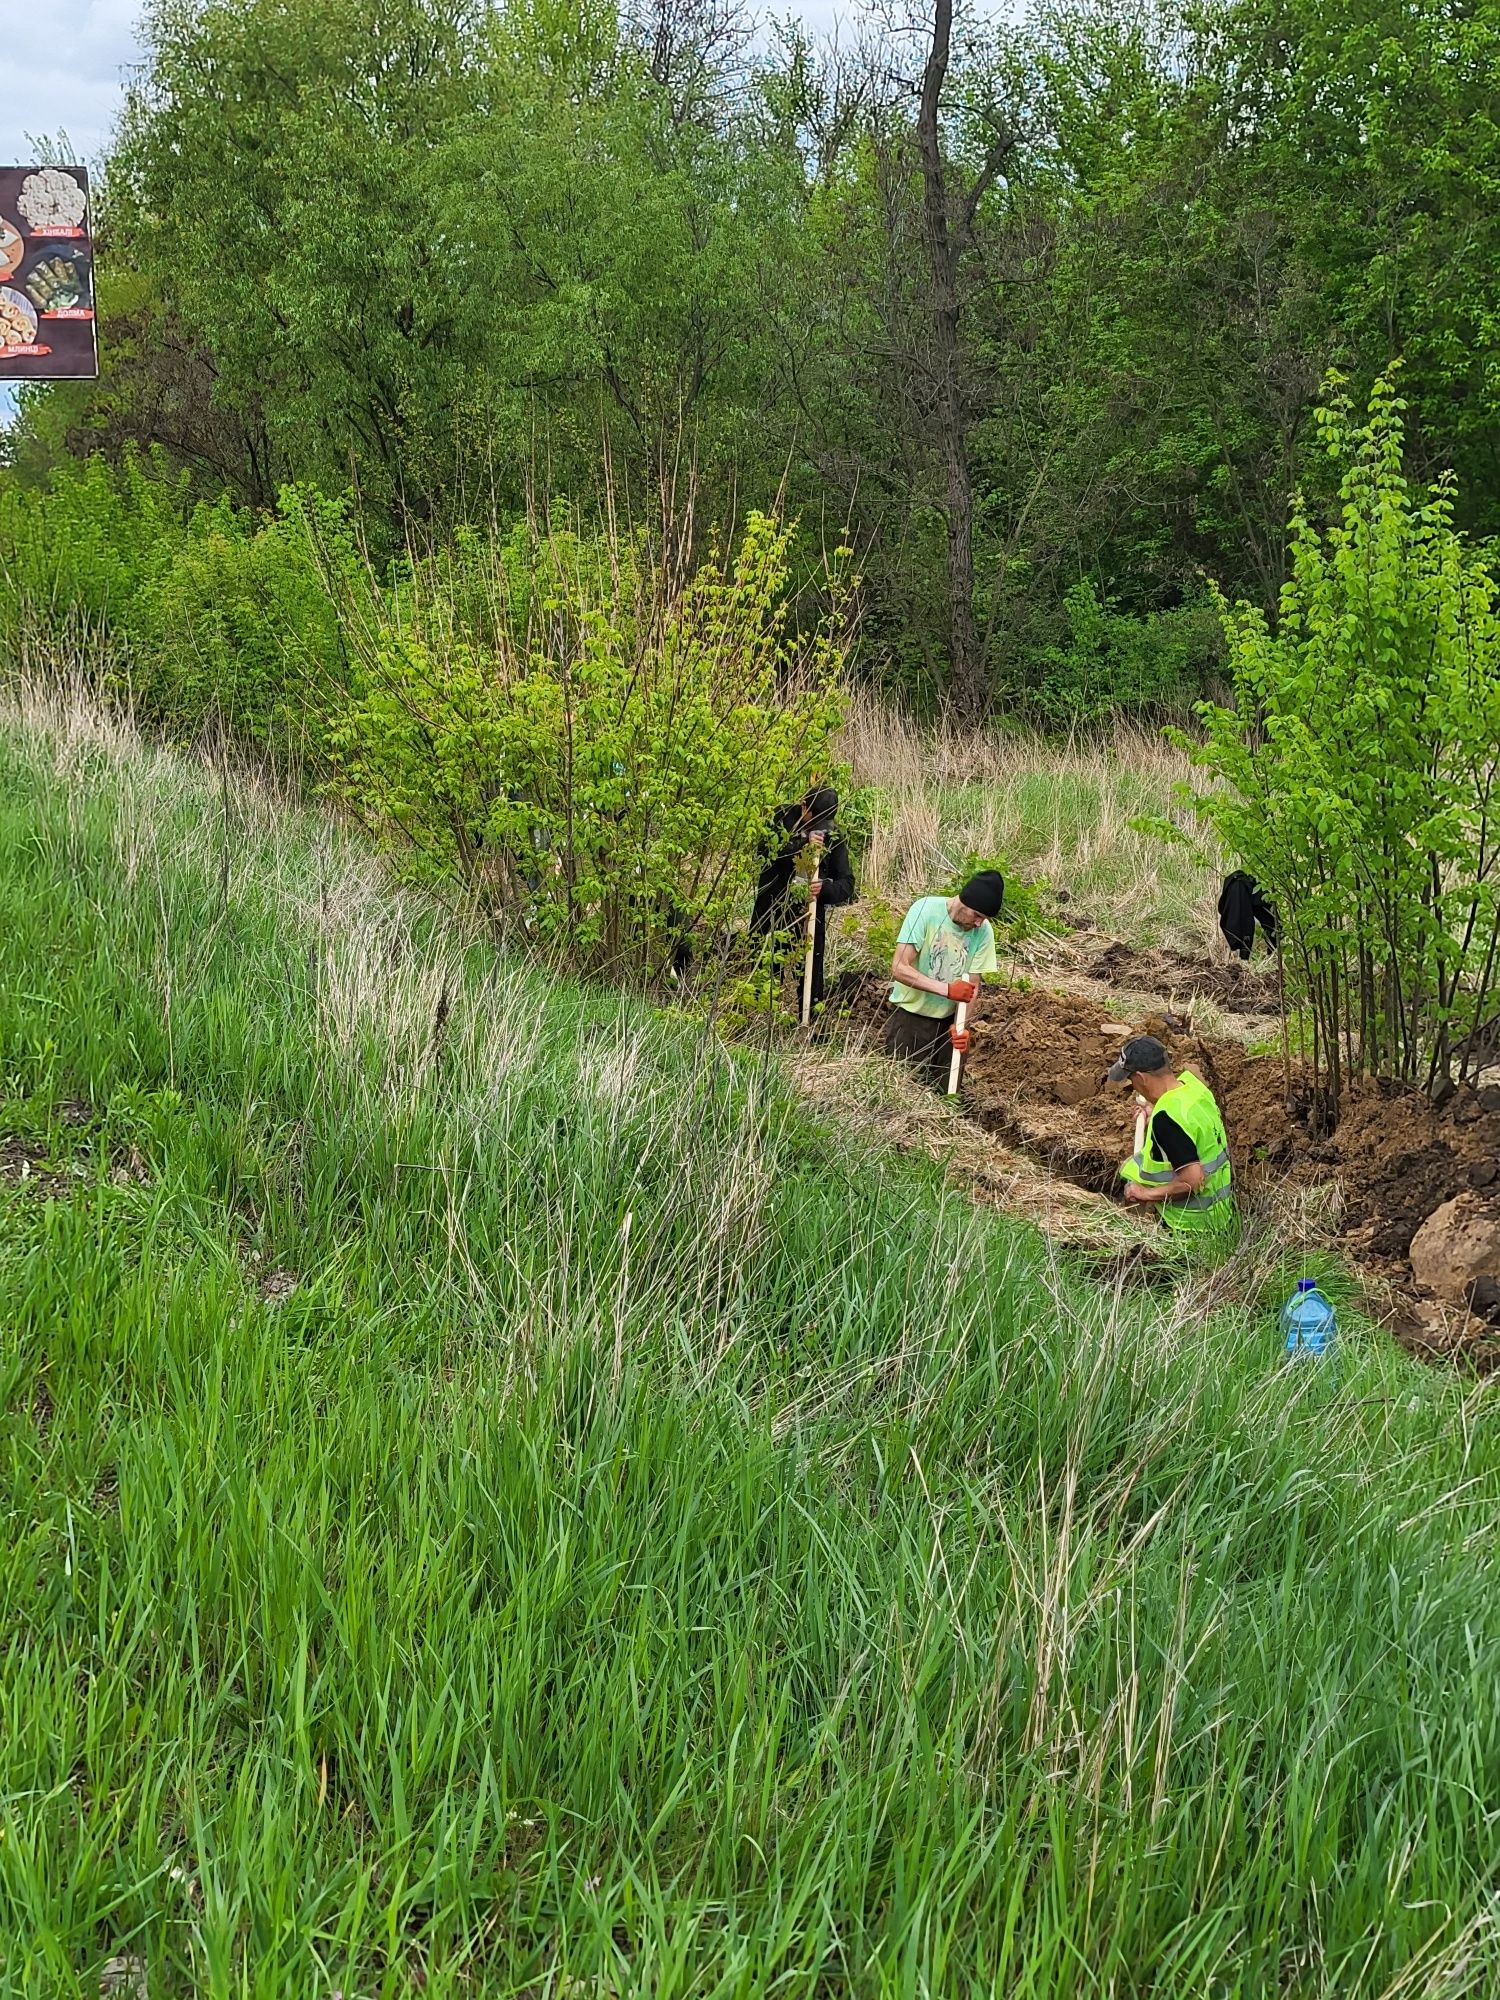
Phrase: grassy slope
[805,1583]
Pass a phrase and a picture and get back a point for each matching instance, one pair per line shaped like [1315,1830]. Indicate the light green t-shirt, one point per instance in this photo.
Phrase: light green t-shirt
[943,952]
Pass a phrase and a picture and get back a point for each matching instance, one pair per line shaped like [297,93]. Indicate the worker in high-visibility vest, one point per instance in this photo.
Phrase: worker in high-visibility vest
[1183,1159]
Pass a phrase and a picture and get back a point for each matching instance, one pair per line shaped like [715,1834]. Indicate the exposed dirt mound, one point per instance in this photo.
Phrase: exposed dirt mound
[1237,987]
[893,1109]
[1034,1078]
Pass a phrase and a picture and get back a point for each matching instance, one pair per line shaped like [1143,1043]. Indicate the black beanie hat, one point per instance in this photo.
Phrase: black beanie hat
[984,892]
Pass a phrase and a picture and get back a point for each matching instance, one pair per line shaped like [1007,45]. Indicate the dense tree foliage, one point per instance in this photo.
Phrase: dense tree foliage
[1382,859]
[1044,336]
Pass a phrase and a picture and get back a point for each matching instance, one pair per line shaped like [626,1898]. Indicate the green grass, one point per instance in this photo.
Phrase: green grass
[652,1548]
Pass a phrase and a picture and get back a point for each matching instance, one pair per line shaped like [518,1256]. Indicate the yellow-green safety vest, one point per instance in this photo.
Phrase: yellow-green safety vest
[1192,1104]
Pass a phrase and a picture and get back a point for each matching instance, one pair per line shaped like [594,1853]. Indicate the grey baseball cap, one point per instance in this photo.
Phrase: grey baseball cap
[1142,1054]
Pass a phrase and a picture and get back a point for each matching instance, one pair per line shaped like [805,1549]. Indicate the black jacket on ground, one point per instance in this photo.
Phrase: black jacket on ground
[780,910]
[1241,908]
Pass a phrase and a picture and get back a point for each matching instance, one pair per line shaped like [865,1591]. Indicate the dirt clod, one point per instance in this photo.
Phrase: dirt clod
[1076,1089]
[1456,1246]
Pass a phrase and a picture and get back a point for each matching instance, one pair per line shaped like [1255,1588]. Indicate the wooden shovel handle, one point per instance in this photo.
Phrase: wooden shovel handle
[807,964]
[960,1022]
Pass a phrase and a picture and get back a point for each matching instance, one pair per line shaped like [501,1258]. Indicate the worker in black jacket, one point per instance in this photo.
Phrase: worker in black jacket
[780,912]
[1243,905]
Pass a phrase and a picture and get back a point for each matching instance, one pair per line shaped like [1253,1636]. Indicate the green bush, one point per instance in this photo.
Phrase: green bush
[596,749]
[1356,771]
[859,806]
[590,737]
[89,544]
[241,630]
[209,616]
[1113,664]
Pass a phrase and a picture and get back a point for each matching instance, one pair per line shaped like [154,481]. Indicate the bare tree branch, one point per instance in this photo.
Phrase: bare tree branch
[1002,146]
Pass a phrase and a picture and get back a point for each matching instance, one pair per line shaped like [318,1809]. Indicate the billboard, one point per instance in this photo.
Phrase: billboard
[46,275]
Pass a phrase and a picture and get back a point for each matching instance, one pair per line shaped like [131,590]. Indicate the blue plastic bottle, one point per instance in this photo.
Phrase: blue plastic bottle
[1310,1326]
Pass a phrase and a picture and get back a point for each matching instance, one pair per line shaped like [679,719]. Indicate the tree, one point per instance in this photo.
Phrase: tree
[627,248]
[279,183]
[1356,771]
[949,232]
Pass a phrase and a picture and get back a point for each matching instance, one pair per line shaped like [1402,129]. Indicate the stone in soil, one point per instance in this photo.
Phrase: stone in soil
[1457,1247]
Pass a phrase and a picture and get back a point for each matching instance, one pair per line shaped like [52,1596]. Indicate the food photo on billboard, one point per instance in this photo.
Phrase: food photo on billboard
[47,330]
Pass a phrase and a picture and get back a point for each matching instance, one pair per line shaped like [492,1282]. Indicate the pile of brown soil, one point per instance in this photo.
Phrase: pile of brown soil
[1034,1078]
[1234,985]
[888,1105]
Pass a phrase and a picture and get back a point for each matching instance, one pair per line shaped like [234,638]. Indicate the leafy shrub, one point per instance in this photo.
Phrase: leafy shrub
[1113,664]
[879,925]
[858,807]
[597,755]
[89,543]
[1356,772]
[241,630]
[212,615]
[748,1003]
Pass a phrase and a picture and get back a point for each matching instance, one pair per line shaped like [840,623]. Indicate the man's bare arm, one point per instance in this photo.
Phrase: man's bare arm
[1186,1181]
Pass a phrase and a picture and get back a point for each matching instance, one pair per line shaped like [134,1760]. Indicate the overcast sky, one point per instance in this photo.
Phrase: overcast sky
[65,61]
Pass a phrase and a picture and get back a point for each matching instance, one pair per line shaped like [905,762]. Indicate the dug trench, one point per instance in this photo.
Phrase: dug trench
[1034,1077]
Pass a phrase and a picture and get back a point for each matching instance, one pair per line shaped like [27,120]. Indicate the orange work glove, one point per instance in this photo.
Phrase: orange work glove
[963,989]
[960,1039]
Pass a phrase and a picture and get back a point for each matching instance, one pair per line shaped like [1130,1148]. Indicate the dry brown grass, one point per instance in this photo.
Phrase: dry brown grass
[891,1110]
[1064,815]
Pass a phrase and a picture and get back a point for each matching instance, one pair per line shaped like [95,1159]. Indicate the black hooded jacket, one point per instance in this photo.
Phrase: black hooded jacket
[780,896]
[1241,908]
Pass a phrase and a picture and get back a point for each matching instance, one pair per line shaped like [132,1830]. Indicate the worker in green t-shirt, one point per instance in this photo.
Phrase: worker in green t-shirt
[945,944]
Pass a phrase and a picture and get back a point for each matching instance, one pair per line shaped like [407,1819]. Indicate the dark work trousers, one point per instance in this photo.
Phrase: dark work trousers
[783,925]
[921,1040]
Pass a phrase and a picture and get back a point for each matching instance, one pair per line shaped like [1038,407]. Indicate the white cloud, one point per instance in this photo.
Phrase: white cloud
[65,64]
